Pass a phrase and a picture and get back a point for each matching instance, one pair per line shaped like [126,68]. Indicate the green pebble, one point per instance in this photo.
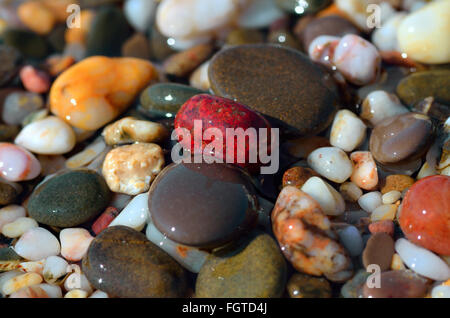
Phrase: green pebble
[305,286]
[256,269]
[165,99]
[8,132]
[28,43]
[69,198]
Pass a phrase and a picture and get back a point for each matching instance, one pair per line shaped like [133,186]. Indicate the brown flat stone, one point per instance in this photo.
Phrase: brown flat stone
[379,250]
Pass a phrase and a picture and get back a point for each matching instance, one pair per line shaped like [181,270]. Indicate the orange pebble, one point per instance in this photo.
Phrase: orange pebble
[79,35]
[383,226]
[36,16]
[34,80]
[58,64]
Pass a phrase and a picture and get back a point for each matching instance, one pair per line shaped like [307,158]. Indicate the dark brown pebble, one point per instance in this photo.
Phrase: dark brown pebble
[379,250]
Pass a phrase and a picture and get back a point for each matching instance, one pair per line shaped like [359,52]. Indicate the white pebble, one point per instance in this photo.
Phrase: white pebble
[352,240]
[76,293]
[140,13]
[259,14]
[10,213]
[77,281]
[54,268]
[441,291]
[135,214]
[426,171]
[332,163]
[99,294]
[32,267]
[370,201]
[379,105]
[37,243]
[365,171]
[391,197]
[347,131]
[74,243]
[385,38]
[321,49]
[422,261]
[384,212]
[328,198]
[53,291]
[21,281]
[350,191]
[48,136]
[18,227]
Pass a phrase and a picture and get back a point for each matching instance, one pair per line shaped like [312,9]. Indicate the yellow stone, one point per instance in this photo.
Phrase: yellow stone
[36,16]
[96,90]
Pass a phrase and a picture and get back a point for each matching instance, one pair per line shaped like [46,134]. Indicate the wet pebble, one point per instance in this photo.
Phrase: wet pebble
[104,219]
[350,191]
[19,105]
[353,287]
[183,63]
[332,163]
[37,243]
[137,46]
[55,267]
[384,226]
[330,201]
[69,198]
[365,172]
[122,251]
[370,201]
[396,182]
[10,213]
[18,227]
[140,13]
[384,212]
[21,281]
[398,284]
[347,131]
[135,214]
[74,243]
[297,176]
[379,250]
[199,78]
[380,105]
[351,239]
[304,286]
[17,163]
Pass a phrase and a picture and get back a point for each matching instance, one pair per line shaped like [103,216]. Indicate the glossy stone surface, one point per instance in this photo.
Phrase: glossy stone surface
[278,82]
[406,136]
[203,205]
[305,286]
[165,99]
[69,198]
[379,250]
[398,284]
[124,263]
[255,268]
[425,214]
[301,7]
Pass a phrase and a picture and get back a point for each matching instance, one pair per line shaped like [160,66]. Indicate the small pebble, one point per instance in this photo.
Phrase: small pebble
[17,163]
[397,182]
[140,13]
[332,163]
[36,16]
[137,46]
[391,197]
[32,267]
[8,194]
[74,243]
[53,291]
[351,239]
[18,227]
[370,201]
[135,214]
[199,78]
[379,250]
[183,63]
[99,294]
[383,226]
[34,291]
[422,261]
[18,282]
[76,293]
[34,80]
[328,198]
[297,176]
[379,105]
[78,281]
[55,267]
[347,131]
[384,212]
[350,191]
[365,172]
[37,243]
[441,291]
[10,213]
[305,286]
[397,263]
[19,105]
[385,38]
[86,156]
[104,219]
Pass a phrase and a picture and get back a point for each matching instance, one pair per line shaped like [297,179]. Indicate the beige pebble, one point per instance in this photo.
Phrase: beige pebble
[87,155]
[384,212]
[129,129]
[18,227]
[199,78]
[365,172]
[78,281]
[76,293]
[21,281]
[391,197]
[34,291]
[350,191]
[32,267]
[74,243]
[130,169]
[347,131]
[397,263]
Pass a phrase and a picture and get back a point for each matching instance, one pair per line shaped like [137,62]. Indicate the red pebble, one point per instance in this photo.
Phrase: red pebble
[220,113]
[104,219]
[383,226]
[425,214]
[34,80]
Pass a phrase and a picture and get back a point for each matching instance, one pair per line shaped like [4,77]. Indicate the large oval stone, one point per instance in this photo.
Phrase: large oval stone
[398,284]
[69,198]
[256,268]
[278,82]
[203,205]
[123,263]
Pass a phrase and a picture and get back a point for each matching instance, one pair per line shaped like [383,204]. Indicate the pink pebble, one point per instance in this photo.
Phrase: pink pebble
[17,163]
[321,49]
[384,226]
[34,80]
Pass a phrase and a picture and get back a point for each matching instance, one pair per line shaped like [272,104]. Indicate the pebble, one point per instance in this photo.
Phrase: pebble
[305,286]
[34,80]
[135,215]
[28,43]
[391,197]
[140,13]
[350,192]
[10,213]
[129,130]
[351,239]
[71,93]
[417,86]
[365,172]
[353,287]
[330,25]
[190,258]
[441,291]
[321,50]
[384,212]
[48,136]
[421,34]
[37,243]
[383,226]
[425,214]
[21,281]
[397,263]
[137,46]
[221,114]
[130,169]
[380,105]
[36,16]
[301,147]
[297,176]
[357,59]
[74,243]
[241,36]
[109,29]
[305,98]
[99,294]
[76,293]
[283,37]
[385,38]
[52,291]
[10,58]
[32,267]
[165,99]
[34,291]
[17,163]
[370,201]
[259,14]
[55,267]
[422,261]
[104,219]
[124,251]
[8,194]
[69,198]
[398,284]
[332,163]
[183,63]
[220,188]
[308,248]
[19,105]
[6,276]
[330,201]
[35,116]
[256,268]
[18,227]
[78,281]
[396,182]
[8,132]
[86,156]
[402,137]
[199,78]
[347,131]
[379,250]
